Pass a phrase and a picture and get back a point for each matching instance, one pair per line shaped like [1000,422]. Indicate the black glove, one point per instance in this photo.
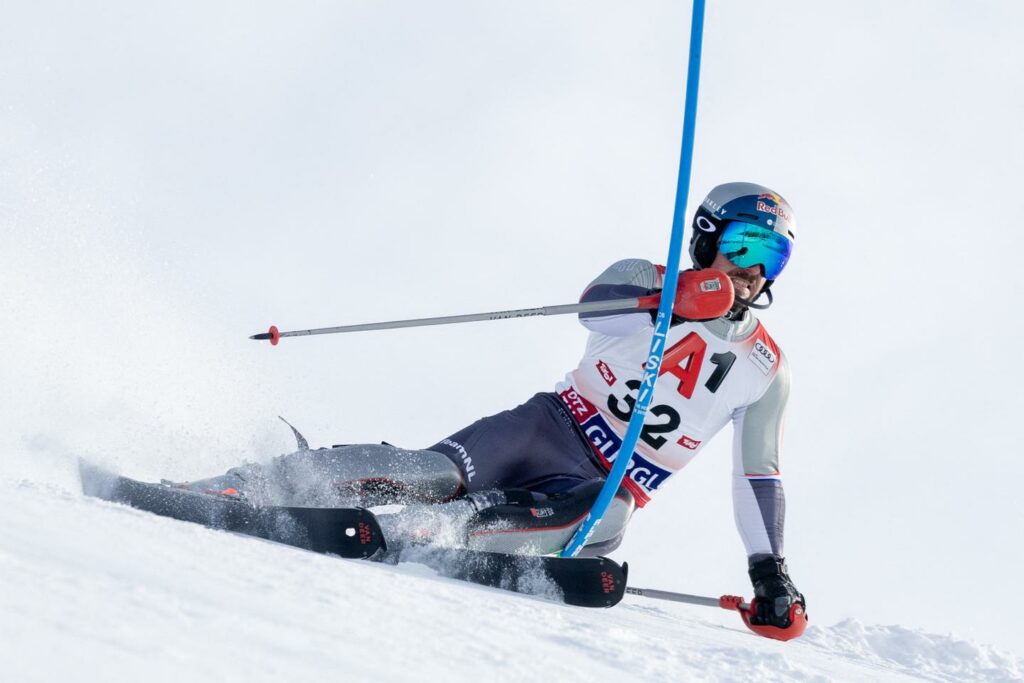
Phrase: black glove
[774,593]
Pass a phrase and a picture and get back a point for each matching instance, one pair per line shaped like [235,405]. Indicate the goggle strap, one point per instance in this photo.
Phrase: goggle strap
[754,304]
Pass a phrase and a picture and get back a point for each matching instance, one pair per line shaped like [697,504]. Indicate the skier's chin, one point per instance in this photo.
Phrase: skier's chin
[743,289]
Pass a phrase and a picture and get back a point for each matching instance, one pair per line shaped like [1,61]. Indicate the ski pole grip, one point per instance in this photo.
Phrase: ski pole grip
[649,301]
[732,602]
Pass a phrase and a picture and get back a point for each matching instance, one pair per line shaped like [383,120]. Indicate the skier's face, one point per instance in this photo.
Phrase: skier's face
[747,281]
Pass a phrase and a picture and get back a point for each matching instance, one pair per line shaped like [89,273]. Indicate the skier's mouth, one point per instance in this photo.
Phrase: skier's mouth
[741,281]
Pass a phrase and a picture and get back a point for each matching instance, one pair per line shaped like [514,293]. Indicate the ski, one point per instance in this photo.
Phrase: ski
[582,582]
[356,533]
[348,532]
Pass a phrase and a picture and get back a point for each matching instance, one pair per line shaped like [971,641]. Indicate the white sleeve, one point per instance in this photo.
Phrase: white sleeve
[625,279]
[759,501]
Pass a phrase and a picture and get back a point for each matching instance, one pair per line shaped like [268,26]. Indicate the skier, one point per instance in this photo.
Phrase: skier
[522,480]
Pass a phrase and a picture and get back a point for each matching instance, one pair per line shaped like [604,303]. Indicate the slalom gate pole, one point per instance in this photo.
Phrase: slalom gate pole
[643,302]
[652,366]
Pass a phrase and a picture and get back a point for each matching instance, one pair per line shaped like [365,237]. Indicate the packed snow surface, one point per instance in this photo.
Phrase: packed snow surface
[91,590]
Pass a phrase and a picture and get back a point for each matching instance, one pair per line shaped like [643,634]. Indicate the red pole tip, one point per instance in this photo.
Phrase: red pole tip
[275,336]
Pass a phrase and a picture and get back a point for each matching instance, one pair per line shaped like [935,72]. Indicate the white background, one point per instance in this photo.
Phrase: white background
[173,179]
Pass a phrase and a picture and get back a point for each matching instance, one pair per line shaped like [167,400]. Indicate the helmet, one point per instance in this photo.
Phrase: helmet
[749,223]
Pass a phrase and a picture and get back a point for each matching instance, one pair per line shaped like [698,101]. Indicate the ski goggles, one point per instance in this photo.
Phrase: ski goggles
[746,245]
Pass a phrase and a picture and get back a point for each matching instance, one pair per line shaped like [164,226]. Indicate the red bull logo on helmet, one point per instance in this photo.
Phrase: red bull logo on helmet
[775,207]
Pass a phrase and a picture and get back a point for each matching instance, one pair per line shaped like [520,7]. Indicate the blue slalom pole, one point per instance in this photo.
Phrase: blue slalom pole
[668,294]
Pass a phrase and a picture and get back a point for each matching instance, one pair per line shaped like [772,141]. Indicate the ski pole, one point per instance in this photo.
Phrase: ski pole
[797,613]
[643,302]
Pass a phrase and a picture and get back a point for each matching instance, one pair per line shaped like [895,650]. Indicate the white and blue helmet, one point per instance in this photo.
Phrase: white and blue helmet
[749,224]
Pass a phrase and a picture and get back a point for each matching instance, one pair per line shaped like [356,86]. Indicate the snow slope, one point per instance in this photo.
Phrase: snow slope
[90,590]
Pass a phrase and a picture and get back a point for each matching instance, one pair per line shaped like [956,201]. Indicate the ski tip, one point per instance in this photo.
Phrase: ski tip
[97,482]
[273,336]
[590,582]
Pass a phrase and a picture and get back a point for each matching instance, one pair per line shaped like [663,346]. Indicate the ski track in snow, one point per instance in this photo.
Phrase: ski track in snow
[90,590]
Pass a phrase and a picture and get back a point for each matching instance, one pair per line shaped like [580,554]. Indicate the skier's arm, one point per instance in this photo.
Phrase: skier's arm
[700,295]
[758,499]
[760,504]
[627,279]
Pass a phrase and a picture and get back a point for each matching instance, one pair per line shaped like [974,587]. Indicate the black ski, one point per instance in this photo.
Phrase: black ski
[356,533]
[349,532]
[584,582]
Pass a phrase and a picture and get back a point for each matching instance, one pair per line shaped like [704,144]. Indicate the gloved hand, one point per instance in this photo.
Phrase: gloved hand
[703,295]
[774,592]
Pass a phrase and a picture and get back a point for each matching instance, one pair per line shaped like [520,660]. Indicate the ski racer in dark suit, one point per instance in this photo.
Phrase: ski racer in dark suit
[522,480]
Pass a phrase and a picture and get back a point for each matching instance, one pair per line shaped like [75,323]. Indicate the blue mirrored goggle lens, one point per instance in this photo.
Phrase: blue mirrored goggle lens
[746,245]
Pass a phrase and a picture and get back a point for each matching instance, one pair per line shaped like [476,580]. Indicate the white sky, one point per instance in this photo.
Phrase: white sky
[175,178]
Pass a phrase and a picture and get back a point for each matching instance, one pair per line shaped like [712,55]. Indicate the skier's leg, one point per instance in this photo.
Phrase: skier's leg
[514,520]
[363,474]
[528,447]
[530,476]
[543,524]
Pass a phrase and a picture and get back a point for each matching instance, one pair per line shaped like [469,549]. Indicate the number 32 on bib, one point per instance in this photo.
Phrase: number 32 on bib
[684,361]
